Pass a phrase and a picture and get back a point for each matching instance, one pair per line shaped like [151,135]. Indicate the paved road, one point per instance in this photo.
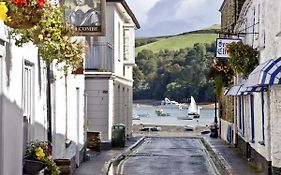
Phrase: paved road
[167,156]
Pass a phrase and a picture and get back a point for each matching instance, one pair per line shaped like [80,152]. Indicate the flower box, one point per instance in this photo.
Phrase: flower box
[32,166]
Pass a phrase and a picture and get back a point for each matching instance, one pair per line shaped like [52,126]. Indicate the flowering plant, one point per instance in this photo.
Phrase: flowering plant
[52,36]
[243,58]
[40,151]
[21,13]
[221,68]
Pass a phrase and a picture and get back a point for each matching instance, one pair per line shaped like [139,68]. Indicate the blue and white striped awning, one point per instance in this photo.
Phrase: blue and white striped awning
[267,73]
[242,91]
[234,90]
[256,89]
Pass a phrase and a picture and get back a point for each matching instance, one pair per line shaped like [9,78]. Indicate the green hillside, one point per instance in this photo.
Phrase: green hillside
[207,35]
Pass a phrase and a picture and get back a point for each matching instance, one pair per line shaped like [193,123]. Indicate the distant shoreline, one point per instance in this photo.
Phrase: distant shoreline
[157,102]
[169,131]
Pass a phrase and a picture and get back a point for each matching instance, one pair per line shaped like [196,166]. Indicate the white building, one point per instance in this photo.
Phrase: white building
[30,110]
[258,108]
[108,72]
[22,102]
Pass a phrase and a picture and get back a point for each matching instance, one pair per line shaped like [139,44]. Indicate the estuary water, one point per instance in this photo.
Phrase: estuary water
[148,116]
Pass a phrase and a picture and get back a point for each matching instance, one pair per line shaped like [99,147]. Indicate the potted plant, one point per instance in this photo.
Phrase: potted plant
[38,157]
[243,58]
[21,14]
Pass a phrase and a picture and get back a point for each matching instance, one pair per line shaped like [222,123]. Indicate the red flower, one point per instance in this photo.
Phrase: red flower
[21,3]
[41,3]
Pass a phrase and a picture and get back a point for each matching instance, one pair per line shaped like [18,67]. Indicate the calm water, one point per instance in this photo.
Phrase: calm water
[148,116]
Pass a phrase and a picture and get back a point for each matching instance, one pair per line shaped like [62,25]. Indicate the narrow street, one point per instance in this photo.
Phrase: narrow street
[167,155]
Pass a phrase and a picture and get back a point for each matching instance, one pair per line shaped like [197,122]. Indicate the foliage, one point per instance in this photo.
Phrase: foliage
[175,74]
[40,150]
[21,13]
[144,41]
[222,68]
[243,58]
[52,36]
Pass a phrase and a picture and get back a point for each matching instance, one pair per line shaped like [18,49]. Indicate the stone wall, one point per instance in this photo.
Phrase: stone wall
[226,108]
[229,14]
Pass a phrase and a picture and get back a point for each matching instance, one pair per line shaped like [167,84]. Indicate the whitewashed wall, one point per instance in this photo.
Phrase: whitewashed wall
[118,105]
[99,106]
[275,110]
[68,114]
[268,42]
[253,17]
[224,128]
[11,110]
[272,29]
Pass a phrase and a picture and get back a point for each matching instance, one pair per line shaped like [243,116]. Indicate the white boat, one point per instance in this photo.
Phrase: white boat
[135,117]
[167,103]
[160,112]
[189,128]
[193,110]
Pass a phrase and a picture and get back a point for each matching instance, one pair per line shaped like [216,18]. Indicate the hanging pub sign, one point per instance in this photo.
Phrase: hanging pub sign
[221,49]
[88,16]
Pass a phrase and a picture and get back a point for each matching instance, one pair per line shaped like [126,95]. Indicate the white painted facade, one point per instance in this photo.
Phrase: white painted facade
[17,69]
[263,18]
[109,86]
[67,115]
[23,106]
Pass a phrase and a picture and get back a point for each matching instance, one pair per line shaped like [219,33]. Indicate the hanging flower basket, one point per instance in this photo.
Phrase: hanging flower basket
[24,18]
[21,14]
[53,37]
[243,58]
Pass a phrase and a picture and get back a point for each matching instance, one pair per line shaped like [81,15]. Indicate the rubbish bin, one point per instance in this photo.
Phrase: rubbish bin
[118,135]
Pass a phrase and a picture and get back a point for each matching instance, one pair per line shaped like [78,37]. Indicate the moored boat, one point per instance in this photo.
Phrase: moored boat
[160,112]
[167,103]
[193,110]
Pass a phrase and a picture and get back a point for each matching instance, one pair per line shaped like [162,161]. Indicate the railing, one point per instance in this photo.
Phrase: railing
[100,57]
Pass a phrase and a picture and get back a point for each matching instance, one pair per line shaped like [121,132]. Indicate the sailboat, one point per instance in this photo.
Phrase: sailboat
[193,110]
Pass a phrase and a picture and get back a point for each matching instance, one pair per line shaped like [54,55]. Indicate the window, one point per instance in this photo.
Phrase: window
[27,100]
[119,41]
[126,44]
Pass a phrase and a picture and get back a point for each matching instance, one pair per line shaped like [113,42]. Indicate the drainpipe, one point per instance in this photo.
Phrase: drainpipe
[49,108]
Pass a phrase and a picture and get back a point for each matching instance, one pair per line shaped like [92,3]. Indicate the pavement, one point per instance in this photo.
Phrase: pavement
[226,158]
[99,163]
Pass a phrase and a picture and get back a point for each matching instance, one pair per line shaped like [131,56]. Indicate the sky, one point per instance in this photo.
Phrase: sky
[169,17]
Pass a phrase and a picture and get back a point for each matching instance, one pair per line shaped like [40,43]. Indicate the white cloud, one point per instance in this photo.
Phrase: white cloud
[190,8]
[165,17]
[141,8]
